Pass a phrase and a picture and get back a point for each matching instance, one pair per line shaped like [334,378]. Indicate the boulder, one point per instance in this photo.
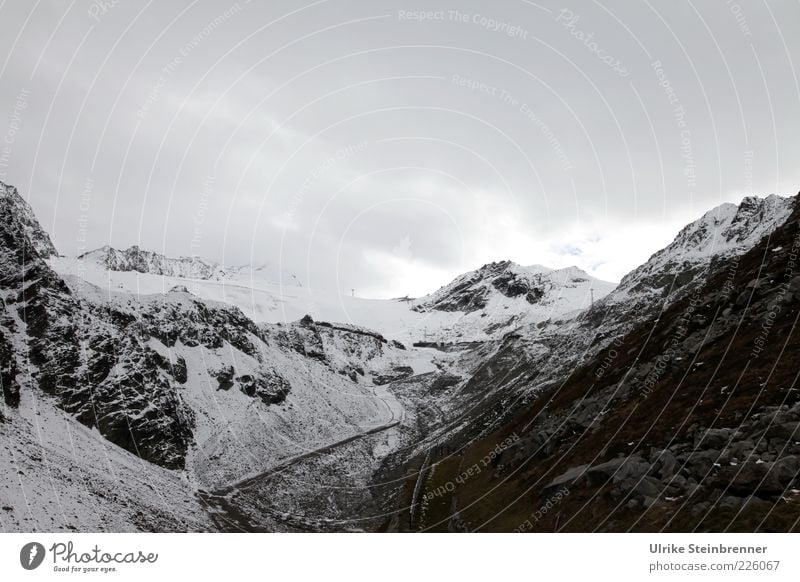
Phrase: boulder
[664,463]
[787,470]
[784,431]
[267,385]
[700,463]
[714,438]
[750,479]
[646,486]
[566,479]
[619,469]
[224,376]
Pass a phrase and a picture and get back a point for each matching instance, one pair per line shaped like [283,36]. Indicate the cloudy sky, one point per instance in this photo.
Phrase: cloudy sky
[389,146]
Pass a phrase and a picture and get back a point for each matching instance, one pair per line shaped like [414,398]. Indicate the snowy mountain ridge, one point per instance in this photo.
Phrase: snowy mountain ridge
[136,259]
[502,295]
[476,290]
[723,231]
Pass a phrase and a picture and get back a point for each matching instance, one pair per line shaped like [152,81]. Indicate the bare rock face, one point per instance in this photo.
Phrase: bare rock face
[267,385]
[24,217]
[95,359]
[135,259]
[513,285]
[396,374]
[8,373]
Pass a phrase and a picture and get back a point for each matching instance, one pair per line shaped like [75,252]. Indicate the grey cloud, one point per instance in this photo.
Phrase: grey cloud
[536,132]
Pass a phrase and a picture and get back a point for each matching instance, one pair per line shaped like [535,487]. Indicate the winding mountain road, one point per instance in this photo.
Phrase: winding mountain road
[219,502]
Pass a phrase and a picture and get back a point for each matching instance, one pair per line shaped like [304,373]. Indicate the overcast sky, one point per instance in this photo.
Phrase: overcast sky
[365,145]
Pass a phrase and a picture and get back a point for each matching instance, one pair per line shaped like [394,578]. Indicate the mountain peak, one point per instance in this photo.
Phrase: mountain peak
[23,212]
[136,259]
[722,231]
[507,283]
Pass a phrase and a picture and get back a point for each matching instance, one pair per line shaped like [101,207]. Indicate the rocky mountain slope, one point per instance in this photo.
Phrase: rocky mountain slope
[22,212]
[686,420]
[715,241]
[726,231]
[58,474]
[451,415]
[180,383]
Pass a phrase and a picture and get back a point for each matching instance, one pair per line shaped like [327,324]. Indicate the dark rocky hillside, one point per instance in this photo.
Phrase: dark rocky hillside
[688,421]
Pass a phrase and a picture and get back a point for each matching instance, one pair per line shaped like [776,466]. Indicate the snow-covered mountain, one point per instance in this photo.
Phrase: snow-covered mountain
[237,395]
[137,260]
[181,383]
[662,411]
[143,261]
[483,304]
[562,290]
[499,297]
[193,384]
[720,235]
[724,231]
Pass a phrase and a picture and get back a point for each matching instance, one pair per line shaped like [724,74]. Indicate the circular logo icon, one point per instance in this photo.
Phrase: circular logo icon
[31,555]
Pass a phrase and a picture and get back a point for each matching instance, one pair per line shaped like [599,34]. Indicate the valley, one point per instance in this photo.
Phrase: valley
[143,393]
